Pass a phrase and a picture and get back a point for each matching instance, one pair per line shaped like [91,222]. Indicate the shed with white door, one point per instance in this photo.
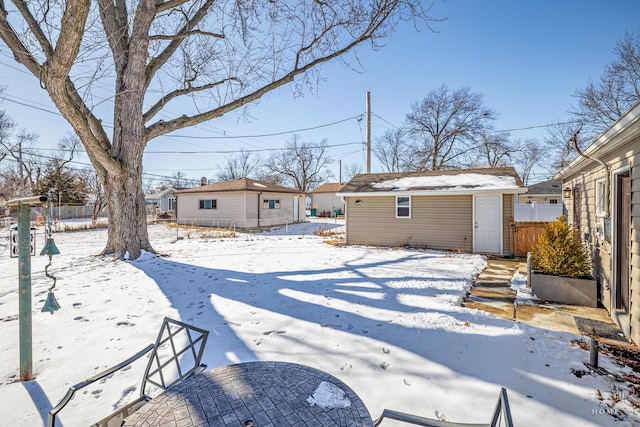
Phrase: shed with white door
[241,203]
[465,210]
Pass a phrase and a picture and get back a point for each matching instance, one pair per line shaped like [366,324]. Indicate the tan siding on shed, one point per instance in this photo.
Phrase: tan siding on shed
[437,222]
[507,217]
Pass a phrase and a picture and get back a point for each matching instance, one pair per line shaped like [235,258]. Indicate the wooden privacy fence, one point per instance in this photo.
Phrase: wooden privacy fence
[524,236]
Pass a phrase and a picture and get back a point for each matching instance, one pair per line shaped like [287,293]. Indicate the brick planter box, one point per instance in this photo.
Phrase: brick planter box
[565,290]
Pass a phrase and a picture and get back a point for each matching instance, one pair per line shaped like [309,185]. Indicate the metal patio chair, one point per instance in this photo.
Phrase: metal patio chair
[501,416]
[169,363]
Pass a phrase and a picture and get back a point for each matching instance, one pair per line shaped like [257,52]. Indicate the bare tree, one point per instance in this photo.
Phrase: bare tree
[559,149]
[393,151]
[217,55]
[239,166]
[605,100]
[178,180]
[444,127]
[96,192]
[528,157]
[58,177]
[495,149]
[351,170]
[303,165]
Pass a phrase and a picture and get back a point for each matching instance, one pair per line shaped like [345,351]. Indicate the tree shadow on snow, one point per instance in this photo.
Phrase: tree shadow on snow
[303,295]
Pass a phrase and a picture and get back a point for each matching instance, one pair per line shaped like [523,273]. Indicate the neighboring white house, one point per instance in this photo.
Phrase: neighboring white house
[242,203]
[163,201]
[549,192]
[325,199]
[541,202]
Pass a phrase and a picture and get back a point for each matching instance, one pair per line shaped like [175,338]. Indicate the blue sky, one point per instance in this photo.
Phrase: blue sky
[526,58]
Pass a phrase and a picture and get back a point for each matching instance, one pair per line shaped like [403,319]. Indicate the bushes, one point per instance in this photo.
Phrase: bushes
[560,252]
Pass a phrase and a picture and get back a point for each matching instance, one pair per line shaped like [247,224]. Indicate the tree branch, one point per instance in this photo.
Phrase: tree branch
[156,63]
[157,107]
[185,35]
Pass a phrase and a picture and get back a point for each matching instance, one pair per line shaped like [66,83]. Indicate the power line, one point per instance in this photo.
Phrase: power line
[247,151]
[267,134]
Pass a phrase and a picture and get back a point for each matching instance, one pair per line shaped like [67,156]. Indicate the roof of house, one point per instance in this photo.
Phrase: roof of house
[329,187]
[240,184]
[546,187]
[160,194]
[459,181]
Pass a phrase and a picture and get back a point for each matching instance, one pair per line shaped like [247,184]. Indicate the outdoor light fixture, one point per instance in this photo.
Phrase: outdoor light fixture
[567,192]
[358,202]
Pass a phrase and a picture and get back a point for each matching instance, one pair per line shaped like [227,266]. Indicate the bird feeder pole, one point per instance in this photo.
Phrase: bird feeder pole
[24,205]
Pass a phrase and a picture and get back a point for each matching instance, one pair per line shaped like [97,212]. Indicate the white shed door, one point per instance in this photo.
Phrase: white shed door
[487,224]
[296,209]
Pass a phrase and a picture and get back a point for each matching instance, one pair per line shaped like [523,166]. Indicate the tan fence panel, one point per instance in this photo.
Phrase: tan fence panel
[524,236]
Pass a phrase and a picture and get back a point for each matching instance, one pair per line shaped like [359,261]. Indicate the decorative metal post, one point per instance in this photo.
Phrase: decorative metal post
[24,302]
[24,281]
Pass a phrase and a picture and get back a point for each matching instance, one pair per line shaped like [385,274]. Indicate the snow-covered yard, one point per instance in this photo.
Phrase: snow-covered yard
[387,322]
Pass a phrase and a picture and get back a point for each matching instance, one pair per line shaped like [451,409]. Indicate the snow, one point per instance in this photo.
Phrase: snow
[387,322]
[328,396]
[463,181]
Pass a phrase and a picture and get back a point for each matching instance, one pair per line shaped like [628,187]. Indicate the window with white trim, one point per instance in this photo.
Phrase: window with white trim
[601,191]
[403,207]
[172,204]
[208,204]
[553,201]
[271,204]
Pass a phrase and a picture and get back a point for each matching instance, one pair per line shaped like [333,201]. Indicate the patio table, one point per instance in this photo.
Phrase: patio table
[256,394]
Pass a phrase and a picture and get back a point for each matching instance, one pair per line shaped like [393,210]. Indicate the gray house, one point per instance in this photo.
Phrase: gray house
[163,201]
[601,192]
[466,210]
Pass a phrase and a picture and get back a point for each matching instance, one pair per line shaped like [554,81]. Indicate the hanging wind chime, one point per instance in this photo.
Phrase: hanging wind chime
[50,249]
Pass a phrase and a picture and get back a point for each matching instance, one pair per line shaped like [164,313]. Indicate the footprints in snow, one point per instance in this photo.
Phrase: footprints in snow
[268,334]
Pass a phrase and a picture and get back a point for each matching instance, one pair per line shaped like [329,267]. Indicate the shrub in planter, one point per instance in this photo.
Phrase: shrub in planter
[562,267]
[560,252]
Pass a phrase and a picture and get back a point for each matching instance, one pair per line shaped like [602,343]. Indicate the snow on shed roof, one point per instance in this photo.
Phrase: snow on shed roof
[503,179]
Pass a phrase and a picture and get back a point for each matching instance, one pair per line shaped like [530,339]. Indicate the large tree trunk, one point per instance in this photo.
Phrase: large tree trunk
[127,215]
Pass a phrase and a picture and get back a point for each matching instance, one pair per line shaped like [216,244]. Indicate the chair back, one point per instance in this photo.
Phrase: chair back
[177,354]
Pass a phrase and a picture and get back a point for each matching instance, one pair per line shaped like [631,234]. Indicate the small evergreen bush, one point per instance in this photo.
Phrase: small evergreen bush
[560,252]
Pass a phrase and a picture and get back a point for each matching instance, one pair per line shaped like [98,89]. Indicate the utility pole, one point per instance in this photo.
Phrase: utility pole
[340,170]
[368,155]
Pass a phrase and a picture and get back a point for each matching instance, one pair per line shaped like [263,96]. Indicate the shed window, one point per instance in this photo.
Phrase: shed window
[553,201]
[403,207]
[271,204]
[600,197]
[208,204]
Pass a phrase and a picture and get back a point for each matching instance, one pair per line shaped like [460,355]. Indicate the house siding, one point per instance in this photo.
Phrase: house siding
[326,202]
[601,248]
[239,209]
[230,210]
[437,222]
[507,217]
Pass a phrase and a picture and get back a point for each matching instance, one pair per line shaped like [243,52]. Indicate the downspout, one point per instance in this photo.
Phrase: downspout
[259,208]
[574,140]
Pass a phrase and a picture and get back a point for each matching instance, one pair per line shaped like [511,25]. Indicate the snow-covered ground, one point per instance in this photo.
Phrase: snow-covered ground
[387,322]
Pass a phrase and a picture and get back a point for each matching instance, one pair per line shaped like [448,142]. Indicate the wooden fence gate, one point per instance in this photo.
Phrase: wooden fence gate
[524,236]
